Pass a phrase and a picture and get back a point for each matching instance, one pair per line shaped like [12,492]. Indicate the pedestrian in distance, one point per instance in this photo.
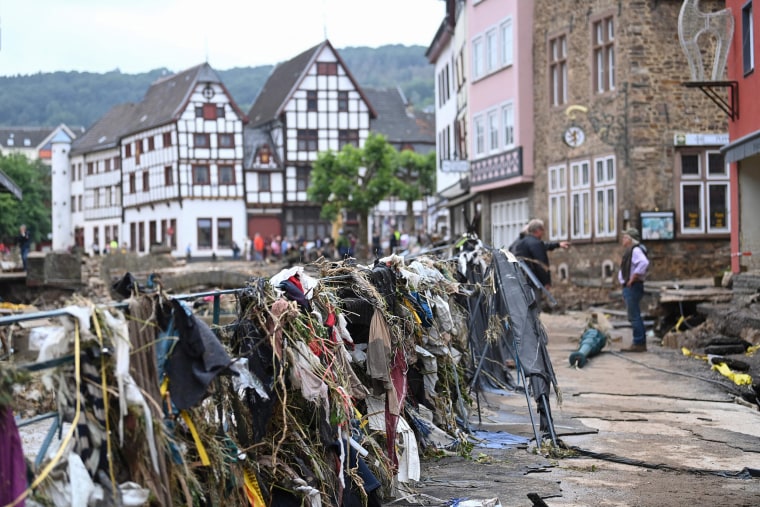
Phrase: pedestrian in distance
[533,250]
[24,241]
[633,271]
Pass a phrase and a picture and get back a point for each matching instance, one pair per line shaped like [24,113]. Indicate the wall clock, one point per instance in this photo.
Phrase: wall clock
[574,136]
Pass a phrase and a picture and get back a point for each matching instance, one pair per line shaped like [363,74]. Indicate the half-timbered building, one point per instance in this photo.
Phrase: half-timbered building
[308,104]
[165,171]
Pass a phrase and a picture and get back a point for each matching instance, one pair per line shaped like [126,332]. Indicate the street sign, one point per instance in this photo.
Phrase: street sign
[455,166]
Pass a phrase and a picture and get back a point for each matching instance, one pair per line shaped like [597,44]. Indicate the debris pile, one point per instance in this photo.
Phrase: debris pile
[324,390]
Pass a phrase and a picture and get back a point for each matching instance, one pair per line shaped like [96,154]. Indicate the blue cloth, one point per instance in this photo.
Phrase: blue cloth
[632,296]
[498,439]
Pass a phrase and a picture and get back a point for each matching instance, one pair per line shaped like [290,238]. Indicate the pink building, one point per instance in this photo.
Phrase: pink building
[500,95]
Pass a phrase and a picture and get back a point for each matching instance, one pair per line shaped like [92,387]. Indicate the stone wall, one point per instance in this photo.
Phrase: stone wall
[635,123]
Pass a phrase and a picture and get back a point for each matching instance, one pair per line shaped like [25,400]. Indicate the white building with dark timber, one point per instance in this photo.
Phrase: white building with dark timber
[308,104]
[165,171]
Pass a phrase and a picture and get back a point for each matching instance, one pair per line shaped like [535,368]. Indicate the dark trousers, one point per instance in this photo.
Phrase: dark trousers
[632,296]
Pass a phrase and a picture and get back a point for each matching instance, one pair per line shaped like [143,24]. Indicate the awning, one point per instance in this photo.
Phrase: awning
[742,148]
[7,186]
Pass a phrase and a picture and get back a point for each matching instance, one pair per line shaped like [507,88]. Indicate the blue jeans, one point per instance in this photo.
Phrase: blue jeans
[632,296]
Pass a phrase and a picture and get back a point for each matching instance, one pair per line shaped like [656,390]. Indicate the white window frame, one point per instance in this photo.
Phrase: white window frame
[507,220]
[506,38]
[493,130]
[558,222]
[491,51]
[748,38]
[479,139]
[508,125]
[706,179]
[477,58]
[605,192]
[580,199]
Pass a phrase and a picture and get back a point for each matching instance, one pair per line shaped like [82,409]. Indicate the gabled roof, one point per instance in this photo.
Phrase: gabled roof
[24,137]
[163,103]
[284,80]
[107,131]
[168,97]
[397,121]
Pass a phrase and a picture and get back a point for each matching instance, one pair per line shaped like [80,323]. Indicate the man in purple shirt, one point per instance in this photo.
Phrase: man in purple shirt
[633,272]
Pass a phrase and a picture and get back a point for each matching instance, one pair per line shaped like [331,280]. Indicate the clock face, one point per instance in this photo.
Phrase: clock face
[574,136]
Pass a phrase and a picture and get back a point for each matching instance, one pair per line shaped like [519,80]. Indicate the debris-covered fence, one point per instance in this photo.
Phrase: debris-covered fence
[325,390]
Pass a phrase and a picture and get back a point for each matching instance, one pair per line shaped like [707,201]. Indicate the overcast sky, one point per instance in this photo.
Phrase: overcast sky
[136,36]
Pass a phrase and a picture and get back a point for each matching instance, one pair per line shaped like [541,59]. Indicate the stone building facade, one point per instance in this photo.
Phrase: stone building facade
[617,133]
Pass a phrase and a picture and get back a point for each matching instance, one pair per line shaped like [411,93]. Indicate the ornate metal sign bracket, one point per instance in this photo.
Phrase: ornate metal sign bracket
[710,88]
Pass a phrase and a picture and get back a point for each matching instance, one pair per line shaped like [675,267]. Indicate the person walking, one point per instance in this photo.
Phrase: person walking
[533,250]
[24,241]
[633,271]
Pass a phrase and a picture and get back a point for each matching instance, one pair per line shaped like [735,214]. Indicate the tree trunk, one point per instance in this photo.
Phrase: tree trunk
[362,250]
[410,221]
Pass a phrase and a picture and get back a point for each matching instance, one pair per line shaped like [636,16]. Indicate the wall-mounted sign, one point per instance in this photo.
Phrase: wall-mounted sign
[455,166]
[700,139]
[658,225]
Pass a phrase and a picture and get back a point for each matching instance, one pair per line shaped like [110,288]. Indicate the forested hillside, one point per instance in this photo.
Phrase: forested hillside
[80,98]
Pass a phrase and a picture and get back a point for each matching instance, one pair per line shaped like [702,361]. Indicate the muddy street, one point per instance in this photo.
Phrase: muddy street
[641,430]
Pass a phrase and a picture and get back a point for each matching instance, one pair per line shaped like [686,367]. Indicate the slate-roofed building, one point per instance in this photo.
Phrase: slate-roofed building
[310,103]
[34,142]
[167,170]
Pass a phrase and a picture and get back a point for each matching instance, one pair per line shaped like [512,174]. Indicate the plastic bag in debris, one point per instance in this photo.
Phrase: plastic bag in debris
[463,502]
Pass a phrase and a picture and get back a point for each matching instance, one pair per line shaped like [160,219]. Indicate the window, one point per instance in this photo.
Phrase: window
[507,219]
[480,136]
[168,176]
[116,163]
[558,203]
[201,141]
[348,137]
[226,175]
[558,70]
[606,197]
[132,183]
[491,49]
[226,140]
[505,32]
[204,233]
[307,139]
[128,150]
[589,206]
[220,113]
[90,168]
[209,111]
[748,39]
[493,131]
[311,100]
[302,179]
[201,175]
[477,57]
[167,139]
[145,181]
[604,55]
[704,193]
[224,232]
[109,200]
[108,165]
[265,182]
[151,143]
[508,125]
[580,198]
[342,101]
[199,112]
[327,68]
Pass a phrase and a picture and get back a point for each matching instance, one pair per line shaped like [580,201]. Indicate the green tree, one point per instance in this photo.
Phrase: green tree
[355,180]
[413,180]
[33,178]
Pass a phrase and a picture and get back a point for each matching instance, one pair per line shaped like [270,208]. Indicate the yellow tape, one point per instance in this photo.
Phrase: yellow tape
[252,489]
[69,434]
[201,450]
[740,379]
